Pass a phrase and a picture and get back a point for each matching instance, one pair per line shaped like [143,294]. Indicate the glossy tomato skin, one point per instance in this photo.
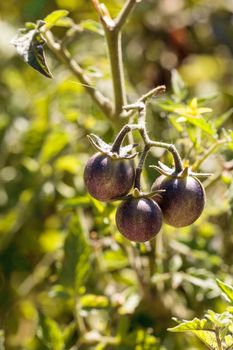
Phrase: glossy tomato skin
[183,200]
[139,219]
[106,178]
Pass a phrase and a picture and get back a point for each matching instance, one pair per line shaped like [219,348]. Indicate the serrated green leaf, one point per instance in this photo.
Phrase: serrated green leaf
[76,264]
[201,328]
[29,45]
[227,290]
[49,333]
[208,338]
[54,17]
[92,26]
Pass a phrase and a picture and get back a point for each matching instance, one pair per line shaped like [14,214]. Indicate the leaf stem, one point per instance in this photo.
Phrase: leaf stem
[148,143]
[121,135]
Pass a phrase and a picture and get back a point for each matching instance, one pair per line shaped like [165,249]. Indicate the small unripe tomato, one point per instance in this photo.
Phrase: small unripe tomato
[183,200]
[106,178]
[139,219]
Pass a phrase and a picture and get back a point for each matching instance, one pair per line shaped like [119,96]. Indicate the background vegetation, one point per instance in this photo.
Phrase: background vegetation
[68,280]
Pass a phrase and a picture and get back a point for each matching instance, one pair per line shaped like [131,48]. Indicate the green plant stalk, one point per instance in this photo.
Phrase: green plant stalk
[124,13]
[137,182]
[113,38]
[147,141]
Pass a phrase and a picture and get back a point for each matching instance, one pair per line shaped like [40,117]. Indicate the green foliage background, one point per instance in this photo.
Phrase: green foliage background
[68,279]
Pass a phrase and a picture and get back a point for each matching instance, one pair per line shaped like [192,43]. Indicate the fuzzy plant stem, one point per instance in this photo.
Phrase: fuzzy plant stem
[113,38]
[148,143]
[113,35]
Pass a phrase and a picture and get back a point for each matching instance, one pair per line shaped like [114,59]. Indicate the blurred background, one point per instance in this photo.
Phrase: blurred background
[68,280]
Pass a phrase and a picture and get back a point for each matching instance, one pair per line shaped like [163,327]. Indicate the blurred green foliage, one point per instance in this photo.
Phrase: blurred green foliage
[68,279]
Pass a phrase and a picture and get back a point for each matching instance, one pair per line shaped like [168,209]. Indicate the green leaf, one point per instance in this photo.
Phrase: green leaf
[201,328]
[194,325]
[76,202]
[91,301]
[52,19]
[53,145]
[69,163]
[49,333]
[69,335]
[76,263]
[92,26]
[208,338]
[201,123]
[227,290]
[29,45]
[228,340]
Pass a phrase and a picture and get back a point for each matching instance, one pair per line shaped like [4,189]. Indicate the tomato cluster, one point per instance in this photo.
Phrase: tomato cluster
[139,218]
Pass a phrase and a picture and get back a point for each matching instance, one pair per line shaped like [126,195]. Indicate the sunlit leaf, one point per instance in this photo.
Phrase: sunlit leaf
[227,290]
[49,333]
[54,143]
[29,45]
[201,328]
[115,260]
[228,340]
[52,19]
[69,163]
[193,325]
[69,335]
[94,301]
